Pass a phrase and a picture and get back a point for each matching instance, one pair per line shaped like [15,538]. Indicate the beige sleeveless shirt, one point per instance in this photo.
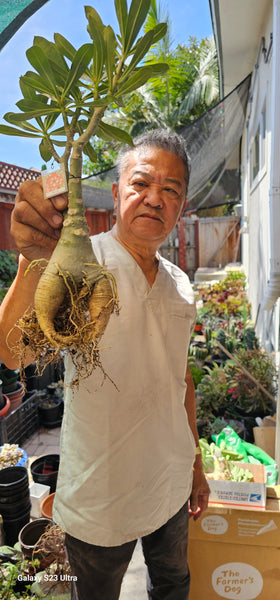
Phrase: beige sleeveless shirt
[127,450]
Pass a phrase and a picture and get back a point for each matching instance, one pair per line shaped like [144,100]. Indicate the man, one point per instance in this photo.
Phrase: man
[130,457]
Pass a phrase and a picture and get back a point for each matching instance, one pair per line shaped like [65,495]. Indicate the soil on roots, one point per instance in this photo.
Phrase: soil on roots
[73,332]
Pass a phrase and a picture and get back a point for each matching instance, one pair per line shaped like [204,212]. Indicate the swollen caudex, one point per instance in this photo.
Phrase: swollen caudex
[74,298]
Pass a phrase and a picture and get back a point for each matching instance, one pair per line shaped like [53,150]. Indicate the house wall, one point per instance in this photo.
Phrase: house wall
[98,221]
[255,187]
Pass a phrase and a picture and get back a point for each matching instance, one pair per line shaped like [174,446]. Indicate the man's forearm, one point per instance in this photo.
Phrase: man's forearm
[18,300]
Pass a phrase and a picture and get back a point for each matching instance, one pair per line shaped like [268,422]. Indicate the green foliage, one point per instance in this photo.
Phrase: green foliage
[220,461]
[8,270]
[106,155]
[260,365]
[213,392]
[11,569]
[227,297]
[68,91]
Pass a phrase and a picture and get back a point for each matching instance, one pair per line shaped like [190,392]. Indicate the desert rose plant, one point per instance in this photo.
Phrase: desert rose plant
[64,101]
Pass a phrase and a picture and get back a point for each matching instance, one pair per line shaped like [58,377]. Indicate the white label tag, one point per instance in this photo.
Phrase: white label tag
[54,181]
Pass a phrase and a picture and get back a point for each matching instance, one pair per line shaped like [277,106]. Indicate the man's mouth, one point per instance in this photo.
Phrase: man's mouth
[150,216]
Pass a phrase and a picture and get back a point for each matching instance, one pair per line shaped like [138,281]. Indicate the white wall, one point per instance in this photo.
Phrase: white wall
[255,194]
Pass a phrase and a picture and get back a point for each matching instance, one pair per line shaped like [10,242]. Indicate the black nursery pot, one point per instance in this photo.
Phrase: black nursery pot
[45,469]
[50,411]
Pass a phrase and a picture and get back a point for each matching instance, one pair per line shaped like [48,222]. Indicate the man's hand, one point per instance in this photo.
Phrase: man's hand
[36,221]
[200,491]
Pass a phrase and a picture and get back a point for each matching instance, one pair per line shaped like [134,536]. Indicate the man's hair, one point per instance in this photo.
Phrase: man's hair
[163,139]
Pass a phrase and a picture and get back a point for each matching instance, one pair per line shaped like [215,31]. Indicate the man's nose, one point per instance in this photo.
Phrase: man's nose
[153,196]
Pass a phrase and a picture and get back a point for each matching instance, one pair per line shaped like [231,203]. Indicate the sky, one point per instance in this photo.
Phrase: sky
[188,18]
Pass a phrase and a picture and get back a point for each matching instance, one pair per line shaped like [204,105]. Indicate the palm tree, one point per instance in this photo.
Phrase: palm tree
[186,91]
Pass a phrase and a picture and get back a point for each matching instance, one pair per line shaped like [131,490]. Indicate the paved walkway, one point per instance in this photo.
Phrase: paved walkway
[46,441]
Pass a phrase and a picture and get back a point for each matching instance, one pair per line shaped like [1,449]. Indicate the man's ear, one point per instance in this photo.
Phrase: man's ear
[183,209]
[115,192]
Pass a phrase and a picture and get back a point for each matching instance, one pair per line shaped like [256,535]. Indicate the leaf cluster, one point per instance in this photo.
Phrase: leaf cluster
[67,92]
[13,565]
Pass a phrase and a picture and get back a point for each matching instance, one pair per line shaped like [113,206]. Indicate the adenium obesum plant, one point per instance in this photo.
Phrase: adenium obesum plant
[64,101]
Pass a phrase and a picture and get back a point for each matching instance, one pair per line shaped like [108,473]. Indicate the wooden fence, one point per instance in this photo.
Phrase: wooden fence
[207,242]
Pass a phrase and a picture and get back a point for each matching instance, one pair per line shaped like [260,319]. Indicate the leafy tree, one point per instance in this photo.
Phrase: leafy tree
[175,98]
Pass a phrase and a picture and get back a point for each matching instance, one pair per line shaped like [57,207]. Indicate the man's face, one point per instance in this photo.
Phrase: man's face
[150,197]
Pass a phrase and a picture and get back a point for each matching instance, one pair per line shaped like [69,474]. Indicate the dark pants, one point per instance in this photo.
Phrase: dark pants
[100,570]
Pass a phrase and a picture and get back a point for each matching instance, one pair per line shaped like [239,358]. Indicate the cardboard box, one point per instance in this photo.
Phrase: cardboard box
[251,494]
[265,438]
[235,553]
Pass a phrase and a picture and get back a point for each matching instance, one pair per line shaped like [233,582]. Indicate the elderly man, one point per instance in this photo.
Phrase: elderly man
[130,463]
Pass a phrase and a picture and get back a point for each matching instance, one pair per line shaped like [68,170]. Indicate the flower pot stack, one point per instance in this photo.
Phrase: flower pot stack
[14,501]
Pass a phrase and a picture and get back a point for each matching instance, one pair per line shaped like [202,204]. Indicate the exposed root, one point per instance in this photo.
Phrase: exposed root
[77,327]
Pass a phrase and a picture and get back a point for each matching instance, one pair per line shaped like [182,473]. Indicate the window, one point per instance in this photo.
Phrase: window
[257,152]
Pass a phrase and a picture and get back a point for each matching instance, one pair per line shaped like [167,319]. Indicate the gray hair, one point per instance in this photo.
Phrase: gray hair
[165,139]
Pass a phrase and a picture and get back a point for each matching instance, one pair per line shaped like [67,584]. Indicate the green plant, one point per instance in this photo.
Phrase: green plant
[63,105]
[213,392]
[14,574]
[8,270]
[219,461]
[227,297]
[257,394]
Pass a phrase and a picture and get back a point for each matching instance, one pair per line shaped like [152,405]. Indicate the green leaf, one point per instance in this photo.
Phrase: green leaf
[26,90]
[136,17]
[58,131]
[24,124]
[30,104]
[59,143]
[64,46]
[159,31]
[37,83]
[53,53]
[109,132]
[41,111]
[158,69]
[110,53]
[90,152]
[141,48]
[45,152]
[139,78]
[121,12]
[50,120]
[41,64]
[7,130]
[78,67]
[95,29]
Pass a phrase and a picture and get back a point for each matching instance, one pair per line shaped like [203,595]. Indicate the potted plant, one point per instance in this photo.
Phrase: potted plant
[254,382]
[14,574]
[50,411]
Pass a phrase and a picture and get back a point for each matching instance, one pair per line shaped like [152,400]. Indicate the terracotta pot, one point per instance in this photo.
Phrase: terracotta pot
[47,506]
[9,378]
[5,410]
[16,397]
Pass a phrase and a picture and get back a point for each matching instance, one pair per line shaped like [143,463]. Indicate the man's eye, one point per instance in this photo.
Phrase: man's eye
[171,191]
[139,184]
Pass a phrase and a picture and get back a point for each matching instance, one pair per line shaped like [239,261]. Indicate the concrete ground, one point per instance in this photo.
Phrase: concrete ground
[46,441]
